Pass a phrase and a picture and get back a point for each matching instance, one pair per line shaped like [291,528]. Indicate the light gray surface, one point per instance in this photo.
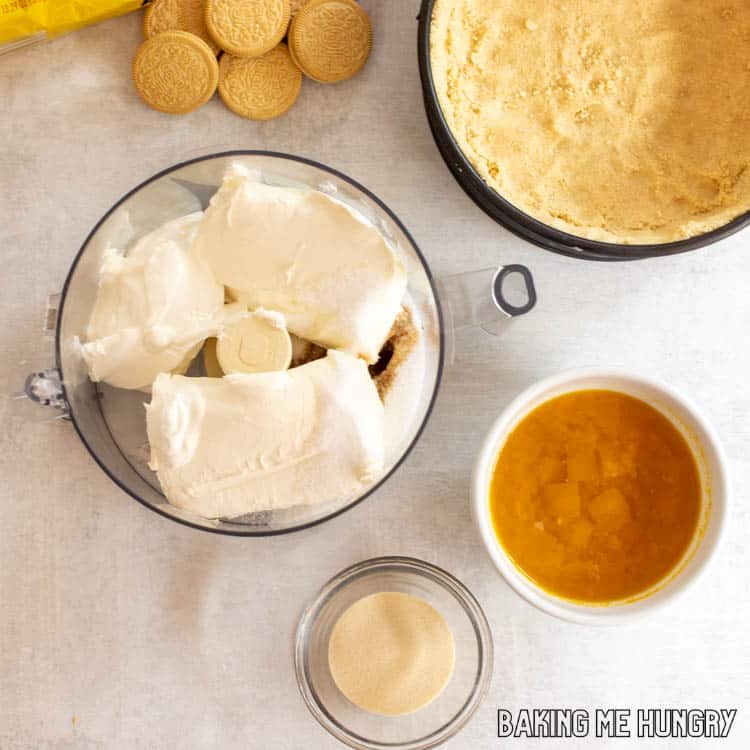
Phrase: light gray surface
[120,629]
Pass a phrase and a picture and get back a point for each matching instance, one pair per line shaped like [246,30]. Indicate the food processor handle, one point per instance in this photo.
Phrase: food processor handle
[482,298]
[43,386]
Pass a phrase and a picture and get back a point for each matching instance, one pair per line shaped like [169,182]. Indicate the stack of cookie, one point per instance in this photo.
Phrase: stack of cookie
[258,75]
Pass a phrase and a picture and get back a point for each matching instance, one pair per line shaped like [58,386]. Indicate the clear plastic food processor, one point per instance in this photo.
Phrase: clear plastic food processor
[111,422]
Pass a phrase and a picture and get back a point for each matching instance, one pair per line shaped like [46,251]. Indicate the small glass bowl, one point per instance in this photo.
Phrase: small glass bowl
[436,722]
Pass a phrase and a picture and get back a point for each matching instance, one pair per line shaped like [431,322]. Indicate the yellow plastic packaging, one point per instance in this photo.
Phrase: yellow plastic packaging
[24,22]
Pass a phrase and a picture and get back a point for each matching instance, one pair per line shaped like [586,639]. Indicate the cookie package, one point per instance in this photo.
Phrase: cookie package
[23,22]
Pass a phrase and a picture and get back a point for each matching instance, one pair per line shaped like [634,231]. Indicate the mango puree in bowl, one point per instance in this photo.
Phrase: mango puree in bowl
[596,497]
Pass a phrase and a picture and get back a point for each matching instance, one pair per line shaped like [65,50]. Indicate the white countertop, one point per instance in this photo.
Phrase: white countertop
[121,629]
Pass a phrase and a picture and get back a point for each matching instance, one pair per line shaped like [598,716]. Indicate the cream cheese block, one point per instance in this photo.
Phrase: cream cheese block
[154,308]
[299,252]
[225,447]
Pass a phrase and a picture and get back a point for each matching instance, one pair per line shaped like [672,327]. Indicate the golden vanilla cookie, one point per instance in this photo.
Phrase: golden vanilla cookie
[175,72]
[247,28]
[260,88]
[330,40]
[177,15]
[296,6]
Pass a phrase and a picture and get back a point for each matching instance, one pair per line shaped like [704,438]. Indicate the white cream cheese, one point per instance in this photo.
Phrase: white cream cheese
[224,447]
[154,308]
[299,252]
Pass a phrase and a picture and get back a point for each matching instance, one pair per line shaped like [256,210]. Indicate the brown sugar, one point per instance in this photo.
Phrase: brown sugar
[399,345]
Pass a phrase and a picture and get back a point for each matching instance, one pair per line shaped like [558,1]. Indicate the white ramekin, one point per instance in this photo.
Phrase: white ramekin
[712,465]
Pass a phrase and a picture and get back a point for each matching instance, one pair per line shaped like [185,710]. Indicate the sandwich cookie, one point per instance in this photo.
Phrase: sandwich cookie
[330,40]
[177,15]
[260,88]
[175,72]
[296,6]
[247,28]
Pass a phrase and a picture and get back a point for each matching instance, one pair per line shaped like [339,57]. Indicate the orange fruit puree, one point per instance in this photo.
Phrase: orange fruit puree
[595,496]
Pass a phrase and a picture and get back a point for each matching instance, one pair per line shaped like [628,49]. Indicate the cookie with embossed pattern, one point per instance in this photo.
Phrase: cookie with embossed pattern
[260,88]
[330,40]
[177,15]
[247,28]
[296,6]
[175,72]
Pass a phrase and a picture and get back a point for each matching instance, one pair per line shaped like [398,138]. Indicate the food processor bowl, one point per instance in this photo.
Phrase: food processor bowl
[111,421]
[512,218]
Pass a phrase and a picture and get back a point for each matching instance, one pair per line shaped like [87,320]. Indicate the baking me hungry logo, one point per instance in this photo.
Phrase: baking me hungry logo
[563,723]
